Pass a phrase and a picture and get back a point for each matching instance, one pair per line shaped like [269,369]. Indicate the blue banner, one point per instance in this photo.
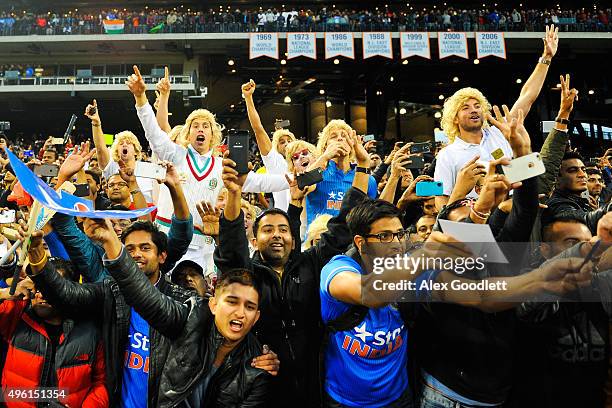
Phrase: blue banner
[63,202]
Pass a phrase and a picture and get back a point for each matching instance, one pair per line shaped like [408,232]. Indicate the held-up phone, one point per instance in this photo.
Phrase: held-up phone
[417,162]
[73,120]
[57,141]
[282,124]
[367,138]
[429,188]
[524,168]
[81,190]
[7,216]
[420,148]
[46,170]
[585,194]
[238,145]
[309,178]
[149,170]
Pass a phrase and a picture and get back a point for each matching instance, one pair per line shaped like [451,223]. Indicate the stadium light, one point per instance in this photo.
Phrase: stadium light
[591,92]
[230,62]
[476,61]
[287,99]
[519,81]
[328,104]
[405,62]
[321,91]
[456,79]
[437,115]
[283,62]
[441,97]
[336,61]
[402,111]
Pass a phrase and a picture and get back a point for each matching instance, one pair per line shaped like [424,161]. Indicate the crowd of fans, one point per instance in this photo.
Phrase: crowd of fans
[213,300]
[185,20]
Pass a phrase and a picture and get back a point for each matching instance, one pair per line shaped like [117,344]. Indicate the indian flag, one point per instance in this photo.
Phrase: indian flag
[113,26]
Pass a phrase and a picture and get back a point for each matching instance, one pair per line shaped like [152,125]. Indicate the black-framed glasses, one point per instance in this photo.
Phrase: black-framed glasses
[388,236]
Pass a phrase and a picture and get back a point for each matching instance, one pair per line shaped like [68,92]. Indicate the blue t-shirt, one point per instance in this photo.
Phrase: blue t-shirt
[136,367]
[365,366]
[327,198]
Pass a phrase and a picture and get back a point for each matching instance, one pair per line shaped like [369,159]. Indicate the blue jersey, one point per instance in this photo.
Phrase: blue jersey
[327,198]
[365,366]
[136,367]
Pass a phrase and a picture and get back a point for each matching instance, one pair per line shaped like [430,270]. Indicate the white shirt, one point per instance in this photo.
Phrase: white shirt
[276,164]
[144,184]
[452,158]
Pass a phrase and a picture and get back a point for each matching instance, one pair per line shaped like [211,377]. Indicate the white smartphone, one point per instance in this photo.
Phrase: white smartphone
[149,170]
[524,168]
[57,141]
[7,216]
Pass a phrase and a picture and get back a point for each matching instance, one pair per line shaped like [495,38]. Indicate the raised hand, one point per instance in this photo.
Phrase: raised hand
[172,179]
[568,96]
[136,84]
[297,194]
[210,218]
[91,111]
[513,129]
[399,163]
[335,149]
[562,276]
[495,188]
[99,230]
[127,174]
[409,195]
[232,180]
[248,89]
[361,154]
[163,86]
[76,161]
[551,41]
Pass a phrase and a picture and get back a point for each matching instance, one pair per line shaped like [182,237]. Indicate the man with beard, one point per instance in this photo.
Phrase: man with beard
[48,349]
[465,121]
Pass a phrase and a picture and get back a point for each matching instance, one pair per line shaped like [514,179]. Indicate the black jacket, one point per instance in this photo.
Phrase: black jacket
[193,340]
[290,321]
[104,301]
[561,201]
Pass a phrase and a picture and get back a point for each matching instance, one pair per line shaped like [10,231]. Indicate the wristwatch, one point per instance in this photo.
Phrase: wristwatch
[361,170]
[544,61]
[562,121]
[136,191]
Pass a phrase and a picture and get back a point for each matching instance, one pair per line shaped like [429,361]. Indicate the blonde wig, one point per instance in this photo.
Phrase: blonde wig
[248,208]
[175,133]
[276,137]
[206,115]
[317,227]
[325,134]
[130,138]
[452,106]
[297,146]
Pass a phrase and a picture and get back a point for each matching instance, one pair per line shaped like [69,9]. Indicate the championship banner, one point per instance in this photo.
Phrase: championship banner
[301,45]
[339,44]
[377,44]
[113,26]
[263,45]
[490,44]
[416,44]
[61,201]
[450,44]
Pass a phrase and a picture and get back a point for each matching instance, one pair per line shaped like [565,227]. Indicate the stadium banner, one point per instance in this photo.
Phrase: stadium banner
[339,44]
[263,45]
[113,26]
[377,44]
[301,45]
[415,44]
[454,43]
[490,44]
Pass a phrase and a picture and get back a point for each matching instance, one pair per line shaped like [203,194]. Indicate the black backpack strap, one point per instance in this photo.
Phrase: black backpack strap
[347,320]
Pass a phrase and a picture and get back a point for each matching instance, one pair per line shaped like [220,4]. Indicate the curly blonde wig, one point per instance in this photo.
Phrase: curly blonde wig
[317,227]
[297,146]
[206,115]
[324,135]
[128,136]
[276,137]
[452,106]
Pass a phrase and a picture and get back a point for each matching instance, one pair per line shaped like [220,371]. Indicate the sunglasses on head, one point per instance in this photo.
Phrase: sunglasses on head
[297,155]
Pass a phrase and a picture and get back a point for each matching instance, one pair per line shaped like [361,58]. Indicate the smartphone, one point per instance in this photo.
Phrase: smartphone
[28,153]
[429,188]
[57,141]
[524,168]
[238,145]
[367,138]
[281,124]
[46,170]
[420,148]
[417,162]
[309,178]
[585,194]
[7,216]
[81,190]
[149,170]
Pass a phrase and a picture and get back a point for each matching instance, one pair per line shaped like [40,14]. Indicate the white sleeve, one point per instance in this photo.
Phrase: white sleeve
[264,183]
[111,168]
[275,163]
[158,139]
[444,173]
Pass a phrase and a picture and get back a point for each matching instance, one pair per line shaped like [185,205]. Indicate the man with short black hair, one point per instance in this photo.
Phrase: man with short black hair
[595,185]
[189,275]
[49,156]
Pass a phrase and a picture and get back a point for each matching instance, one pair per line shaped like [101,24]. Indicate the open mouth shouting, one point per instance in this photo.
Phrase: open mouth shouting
[235,325]
[475,118]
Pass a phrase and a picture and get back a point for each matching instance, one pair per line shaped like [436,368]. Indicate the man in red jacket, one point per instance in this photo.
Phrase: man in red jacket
[48,350]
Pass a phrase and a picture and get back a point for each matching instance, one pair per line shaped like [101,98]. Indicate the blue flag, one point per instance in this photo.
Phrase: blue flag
[64,202]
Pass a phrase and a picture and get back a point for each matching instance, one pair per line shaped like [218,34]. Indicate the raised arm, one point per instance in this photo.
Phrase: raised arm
[263,140]
[162,312]
[158,140]
[533,86]
[92,112]
[163,96]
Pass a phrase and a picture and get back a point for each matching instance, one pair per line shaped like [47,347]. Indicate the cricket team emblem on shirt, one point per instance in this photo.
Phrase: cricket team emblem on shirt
[366,344]
[334,200]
